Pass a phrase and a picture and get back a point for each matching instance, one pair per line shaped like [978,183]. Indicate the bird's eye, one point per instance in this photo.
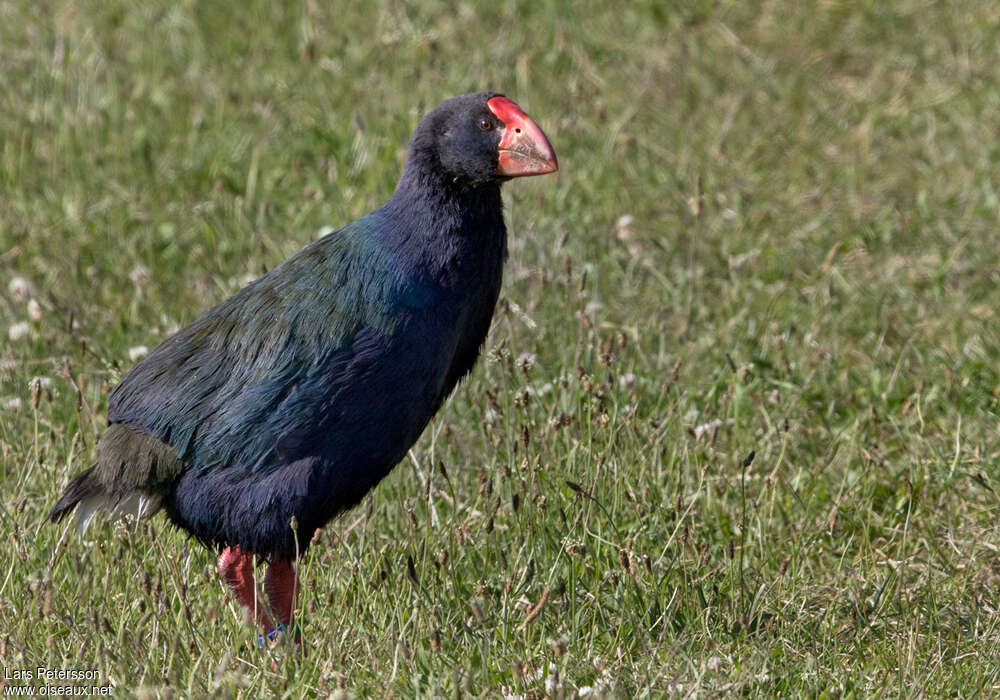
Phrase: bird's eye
[485,124]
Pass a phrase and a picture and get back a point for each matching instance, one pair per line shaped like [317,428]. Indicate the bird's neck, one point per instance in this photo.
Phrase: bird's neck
[424,188]
[440,226]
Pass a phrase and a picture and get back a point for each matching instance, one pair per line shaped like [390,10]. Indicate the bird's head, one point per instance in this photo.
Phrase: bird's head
[481,138]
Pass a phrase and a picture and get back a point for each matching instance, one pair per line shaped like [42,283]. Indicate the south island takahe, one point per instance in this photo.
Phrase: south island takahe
[290,400]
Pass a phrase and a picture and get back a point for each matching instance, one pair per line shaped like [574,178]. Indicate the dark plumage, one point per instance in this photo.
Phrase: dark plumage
[298,394]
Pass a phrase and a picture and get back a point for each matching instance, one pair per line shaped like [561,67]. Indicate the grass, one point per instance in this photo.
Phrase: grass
[809,274]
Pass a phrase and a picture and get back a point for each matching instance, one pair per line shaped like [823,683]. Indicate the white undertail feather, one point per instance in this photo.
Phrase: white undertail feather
[138,504]
[86,509]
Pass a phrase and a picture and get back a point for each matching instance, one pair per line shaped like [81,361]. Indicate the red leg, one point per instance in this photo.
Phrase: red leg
[282,585]
[236,569]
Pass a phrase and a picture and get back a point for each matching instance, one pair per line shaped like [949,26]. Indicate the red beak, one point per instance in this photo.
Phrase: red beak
[524,149]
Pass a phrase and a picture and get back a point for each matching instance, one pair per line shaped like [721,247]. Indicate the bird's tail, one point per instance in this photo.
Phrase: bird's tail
[85,490]
[86,493]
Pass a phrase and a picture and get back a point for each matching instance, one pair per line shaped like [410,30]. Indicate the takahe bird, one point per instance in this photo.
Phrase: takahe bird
[298,394]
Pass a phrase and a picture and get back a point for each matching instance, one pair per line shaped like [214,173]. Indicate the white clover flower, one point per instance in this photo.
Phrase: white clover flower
[19,330]
[714,663]
[711,425]
[41,382]
[139,275]
[553,684]
[19,288]
[623,227]
[526,360]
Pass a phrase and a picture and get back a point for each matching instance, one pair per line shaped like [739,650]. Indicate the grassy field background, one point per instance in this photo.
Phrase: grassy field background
[774,230]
